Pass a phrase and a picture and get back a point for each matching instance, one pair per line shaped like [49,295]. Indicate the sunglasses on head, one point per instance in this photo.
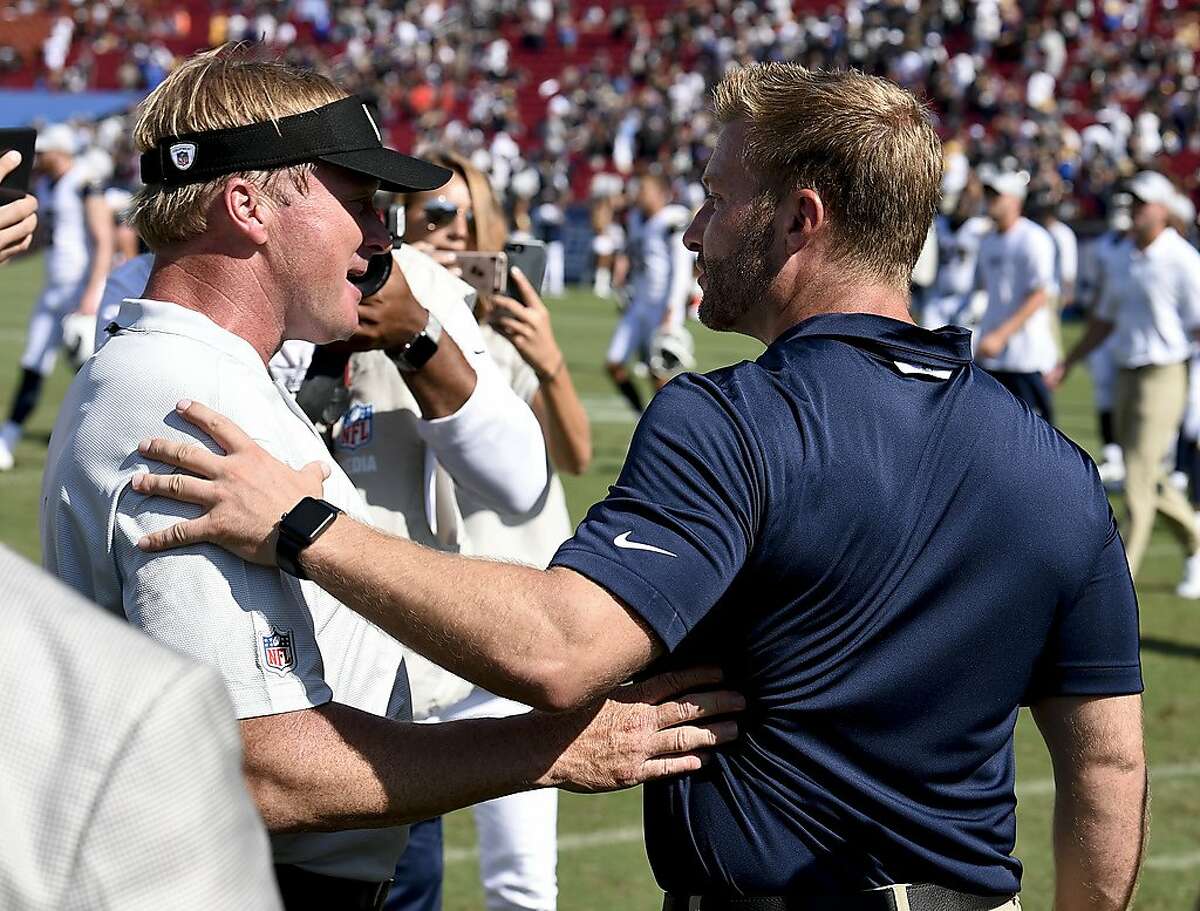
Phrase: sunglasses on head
[440,212]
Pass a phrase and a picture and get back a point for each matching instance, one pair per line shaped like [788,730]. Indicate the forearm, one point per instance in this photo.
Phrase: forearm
[1032,305]
[444,384]
[1100,826]
[336,767]
[515,630]
[1097,331]
[568,431]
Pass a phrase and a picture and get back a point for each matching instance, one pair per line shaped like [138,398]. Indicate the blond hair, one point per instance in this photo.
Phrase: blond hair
[864,144]
[213,90]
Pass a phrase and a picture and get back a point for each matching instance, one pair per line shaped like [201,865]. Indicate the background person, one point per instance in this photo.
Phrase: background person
[955,300]
[517,834]
[1016,267]
[608,242]
[1151,303]
[80,227]
[659,282]
[1093,273]
[865,425]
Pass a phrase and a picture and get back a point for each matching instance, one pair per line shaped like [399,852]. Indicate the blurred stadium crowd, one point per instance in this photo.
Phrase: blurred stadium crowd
[557,100]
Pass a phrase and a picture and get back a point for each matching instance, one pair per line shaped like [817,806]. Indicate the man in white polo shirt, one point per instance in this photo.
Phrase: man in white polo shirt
[1151,303]
[1016,268]
[1094,267]
[259,204]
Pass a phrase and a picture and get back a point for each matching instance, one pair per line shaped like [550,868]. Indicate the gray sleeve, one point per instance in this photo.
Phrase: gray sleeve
[173,819]
[250,623]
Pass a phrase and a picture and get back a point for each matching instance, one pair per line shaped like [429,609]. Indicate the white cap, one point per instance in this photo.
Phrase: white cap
[1183,208]
[1150,186]
[58,137]
[1006,183]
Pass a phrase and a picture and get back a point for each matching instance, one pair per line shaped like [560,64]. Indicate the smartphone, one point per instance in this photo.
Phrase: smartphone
[487,273]
[530,257]
[16,184]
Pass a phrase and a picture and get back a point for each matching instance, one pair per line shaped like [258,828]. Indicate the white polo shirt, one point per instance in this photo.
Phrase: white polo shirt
[1013,265]
[1152,297]
[281,645]
[128,280]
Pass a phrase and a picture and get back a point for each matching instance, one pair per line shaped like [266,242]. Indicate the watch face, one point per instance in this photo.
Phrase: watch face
[423,348]
[309,518]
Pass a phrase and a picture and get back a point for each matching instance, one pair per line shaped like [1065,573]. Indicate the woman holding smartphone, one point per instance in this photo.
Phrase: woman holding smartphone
[517,835]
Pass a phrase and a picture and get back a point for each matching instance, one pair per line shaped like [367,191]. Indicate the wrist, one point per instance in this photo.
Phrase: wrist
[549,736]
[415,353]
[298,529]
[556,366]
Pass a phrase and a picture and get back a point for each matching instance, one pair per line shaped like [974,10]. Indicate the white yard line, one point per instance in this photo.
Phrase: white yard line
[1174,861]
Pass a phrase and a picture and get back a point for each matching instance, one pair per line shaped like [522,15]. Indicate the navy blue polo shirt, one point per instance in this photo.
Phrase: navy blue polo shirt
[888,553]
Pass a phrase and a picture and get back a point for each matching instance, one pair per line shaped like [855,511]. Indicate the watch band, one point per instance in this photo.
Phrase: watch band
[300,528]
[415,354]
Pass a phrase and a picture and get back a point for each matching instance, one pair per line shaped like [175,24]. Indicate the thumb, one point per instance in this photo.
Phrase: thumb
[9,162]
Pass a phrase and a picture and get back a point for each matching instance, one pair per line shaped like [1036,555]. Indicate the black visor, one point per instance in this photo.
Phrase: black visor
[341,133]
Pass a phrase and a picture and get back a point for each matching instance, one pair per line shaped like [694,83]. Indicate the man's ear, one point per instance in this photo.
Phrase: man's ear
[247,209]
[805,216]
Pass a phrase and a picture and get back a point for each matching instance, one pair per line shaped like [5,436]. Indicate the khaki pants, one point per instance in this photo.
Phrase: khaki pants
[1147,417]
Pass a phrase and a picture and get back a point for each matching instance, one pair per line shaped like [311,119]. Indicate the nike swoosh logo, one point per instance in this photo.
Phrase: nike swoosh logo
[622,541]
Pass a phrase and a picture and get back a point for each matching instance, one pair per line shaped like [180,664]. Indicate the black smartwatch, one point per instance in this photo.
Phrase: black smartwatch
[415,354]
[307,521]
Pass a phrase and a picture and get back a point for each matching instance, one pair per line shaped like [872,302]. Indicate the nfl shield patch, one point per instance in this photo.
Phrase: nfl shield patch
[278,652]
[356,427]
[183,154]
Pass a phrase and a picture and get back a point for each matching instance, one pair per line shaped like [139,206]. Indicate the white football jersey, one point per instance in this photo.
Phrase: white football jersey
[660,265]
[61,207]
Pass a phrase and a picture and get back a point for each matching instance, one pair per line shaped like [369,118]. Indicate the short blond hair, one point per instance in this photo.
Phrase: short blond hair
[218,89]
[864,144]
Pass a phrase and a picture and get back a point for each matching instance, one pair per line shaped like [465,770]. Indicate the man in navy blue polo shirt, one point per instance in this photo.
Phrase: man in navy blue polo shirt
[883,548]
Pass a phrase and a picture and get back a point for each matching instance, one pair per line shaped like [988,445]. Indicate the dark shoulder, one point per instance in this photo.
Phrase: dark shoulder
[709,405]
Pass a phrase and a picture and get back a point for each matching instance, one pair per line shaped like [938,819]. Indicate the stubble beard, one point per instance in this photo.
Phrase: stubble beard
[738,282]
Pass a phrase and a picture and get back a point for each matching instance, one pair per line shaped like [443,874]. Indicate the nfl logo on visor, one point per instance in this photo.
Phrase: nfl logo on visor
[278,654]
[183,155]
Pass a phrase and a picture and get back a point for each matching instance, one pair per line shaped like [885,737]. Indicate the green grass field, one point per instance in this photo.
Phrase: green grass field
[602,865]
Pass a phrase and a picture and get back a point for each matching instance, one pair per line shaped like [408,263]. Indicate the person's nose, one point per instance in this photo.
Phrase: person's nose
[694,235]
[460,230]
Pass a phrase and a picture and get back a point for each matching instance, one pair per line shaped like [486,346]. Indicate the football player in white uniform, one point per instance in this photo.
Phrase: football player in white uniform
[660,281]
[80,226]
